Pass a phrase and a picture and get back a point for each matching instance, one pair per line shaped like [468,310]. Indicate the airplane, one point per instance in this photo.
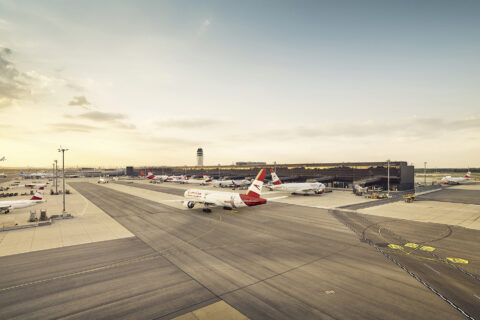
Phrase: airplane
[230,183]
[3,175]
[3,158]
[31,185]
[151,176]
[456,180]
[6,206]
[204,181]
[295,188]
[227,200]
[102,180]
[37,175]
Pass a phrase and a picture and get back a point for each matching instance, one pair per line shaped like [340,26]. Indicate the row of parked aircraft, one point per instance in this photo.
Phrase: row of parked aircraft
[6,206]
[205,180]
[36,175]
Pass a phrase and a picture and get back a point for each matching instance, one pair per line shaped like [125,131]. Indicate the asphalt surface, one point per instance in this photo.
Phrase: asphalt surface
[104,280]
[276,261]
[369,204]
[154,187]
[453,195]
[457,283]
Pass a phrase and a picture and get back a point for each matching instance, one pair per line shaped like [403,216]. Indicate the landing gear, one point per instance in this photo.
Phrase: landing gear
[207,210]
[227,208]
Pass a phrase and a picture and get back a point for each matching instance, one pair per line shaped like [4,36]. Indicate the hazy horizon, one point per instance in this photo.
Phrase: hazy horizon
[146,83]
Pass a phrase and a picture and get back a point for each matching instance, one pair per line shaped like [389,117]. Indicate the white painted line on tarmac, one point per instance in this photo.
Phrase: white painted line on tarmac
[426,265]
[476,296]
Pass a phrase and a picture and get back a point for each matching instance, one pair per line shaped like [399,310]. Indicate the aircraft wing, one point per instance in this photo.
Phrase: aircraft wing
[306,190]
[4,207]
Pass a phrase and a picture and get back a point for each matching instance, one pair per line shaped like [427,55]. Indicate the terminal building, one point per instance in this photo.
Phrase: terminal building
[345,174]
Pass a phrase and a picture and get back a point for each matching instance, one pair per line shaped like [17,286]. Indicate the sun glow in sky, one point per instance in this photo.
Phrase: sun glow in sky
[148,82]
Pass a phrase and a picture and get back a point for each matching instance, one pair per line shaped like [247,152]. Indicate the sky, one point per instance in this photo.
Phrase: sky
[146,83]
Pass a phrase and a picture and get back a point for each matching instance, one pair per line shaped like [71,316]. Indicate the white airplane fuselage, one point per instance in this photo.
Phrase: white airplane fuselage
[453,180]
[456,180]
[218,198]
[19,204]
[300,188]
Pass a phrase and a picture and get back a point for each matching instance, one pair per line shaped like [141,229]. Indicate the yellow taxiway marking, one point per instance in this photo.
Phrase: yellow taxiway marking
[395,246]
[411,245]
[427,248]
[457,260]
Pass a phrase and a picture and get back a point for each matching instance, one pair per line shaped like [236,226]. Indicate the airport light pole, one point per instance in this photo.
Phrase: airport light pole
[62,150]
[425,173]
[388,177]
[56,177]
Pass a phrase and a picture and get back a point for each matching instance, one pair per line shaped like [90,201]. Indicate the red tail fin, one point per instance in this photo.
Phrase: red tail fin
[37,196]
[255,189]
[275,179]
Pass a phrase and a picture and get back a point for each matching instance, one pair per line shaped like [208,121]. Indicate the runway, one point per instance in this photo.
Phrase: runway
[277,261]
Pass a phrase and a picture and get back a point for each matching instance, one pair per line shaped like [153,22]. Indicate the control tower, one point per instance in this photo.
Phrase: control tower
[200,157]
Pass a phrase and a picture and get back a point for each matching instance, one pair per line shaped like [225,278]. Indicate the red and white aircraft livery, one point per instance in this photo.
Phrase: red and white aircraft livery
[227,200]
[151,176]
[204,181]
[169,178]
[32,185]
[6,206]
[456,180]
[231,183]
[296,188]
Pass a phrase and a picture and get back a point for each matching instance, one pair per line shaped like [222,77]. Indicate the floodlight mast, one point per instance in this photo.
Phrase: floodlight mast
[62,150]
[56,176]
[388,178]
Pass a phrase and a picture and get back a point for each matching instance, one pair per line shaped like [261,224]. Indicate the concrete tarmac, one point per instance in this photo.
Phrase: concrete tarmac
[277,261]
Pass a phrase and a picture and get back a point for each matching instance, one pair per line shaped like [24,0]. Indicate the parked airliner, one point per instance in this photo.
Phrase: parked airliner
[6,206]
[36,175]
[227,200]
[295,188]
[456,180]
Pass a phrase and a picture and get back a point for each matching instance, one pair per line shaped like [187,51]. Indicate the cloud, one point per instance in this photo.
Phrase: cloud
[204,26]
[70,126]
[410,129]
[189,123]
[14,85]
[127,126]
[79,101]
[110,118]
[4,24]
[102,116]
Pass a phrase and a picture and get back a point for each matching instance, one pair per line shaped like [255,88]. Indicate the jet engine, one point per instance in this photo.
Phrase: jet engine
[189,204]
